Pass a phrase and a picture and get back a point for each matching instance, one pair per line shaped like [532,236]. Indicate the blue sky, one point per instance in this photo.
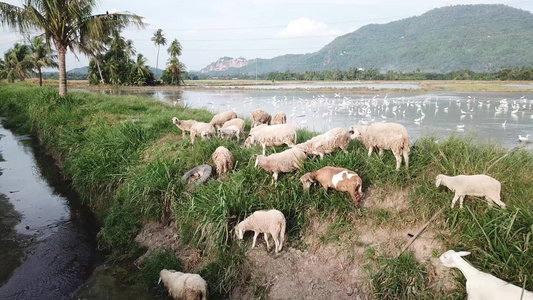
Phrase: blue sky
[210,29]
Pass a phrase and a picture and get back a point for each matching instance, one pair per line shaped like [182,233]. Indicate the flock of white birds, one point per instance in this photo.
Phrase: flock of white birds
[312,110]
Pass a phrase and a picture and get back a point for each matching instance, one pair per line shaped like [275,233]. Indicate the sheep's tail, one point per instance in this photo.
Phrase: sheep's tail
[405,152]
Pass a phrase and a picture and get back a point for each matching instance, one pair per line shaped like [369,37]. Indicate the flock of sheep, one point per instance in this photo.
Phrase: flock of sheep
[268,132]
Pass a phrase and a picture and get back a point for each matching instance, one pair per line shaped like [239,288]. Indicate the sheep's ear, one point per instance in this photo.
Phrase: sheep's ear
[437,183]
[159,281]
[463,253]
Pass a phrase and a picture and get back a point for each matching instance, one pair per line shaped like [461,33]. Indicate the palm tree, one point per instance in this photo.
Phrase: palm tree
[174,66]
[17,63]
[68,24]
[158,39]
[140,72]
[175,48]
[42,56]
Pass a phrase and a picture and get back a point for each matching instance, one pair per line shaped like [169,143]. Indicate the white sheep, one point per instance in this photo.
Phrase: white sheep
[184,125]
[204,130]
[384,136]
[480,285]
[472,185]
[287,161]
[223,159]
[260,116]
[270,221]
[236,122]
[229,131]
[279,118]
[183,286]
[219,119]
[275,135]
[327,142]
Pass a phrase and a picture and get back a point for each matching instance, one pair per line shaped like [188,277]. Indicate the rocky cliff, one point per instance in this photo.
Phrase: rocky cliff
[224,63]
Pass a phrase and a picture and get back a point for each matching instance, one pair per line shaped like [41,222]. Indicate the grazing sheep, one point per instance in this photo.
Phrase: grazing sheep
[184,125]
[327,142]
[261,221]
[339,179]
[275,135]
[472,185]
[236,122]
[223,160]
[219,119]
[384,136]
[279,118]
[287,161]
[481,285]
[183,286]
[204,130]
[229,132]
[260,116]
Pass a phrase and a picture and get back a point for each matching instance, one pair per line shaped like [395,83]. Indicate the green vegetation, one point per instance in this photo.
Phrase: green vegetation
[65,24]
[125,158]
[481,38]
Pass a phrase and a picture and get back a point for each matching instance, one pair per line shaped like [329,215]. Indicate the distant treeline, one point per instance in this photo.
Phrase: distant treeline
[524,73]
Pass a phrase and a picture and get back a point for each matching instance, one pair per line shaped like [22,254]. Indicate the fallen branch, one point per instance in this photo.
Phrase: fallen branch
[420,231]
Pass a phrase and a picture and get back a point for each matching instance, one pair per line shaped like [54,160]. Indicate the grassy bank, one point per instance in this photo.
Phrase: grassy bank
[126,158]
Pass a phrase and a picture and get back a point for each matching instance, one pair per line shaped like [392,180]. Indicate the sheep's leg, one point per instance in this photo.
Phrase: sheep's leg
[398,161]
[455,198]
[275,237]
[264,149]
[461,199]
[354,198]
[370,151]
[406,159]
[381,151]
[321,156]
[265,235]
[255,238]
[193,135]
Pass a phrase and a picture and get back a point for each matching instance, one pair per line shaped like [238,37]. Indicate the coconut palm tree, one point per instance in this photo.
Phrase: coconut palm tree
[17,63]
[158,39]
[174,50]
[42,56]
[68,24]
[140,73]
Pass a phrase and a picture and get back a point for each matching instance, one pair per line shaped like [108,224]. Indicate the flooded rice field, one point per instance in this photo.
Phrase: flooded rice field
[47,237]
[499,117]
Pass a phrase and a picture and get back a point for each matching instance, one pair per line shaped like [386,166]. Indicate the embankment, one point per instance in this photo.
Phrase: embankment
[125,158]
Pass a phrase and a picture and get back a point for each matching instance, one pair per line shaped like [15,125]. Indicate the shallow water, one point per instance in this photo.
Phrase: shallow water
[46,226]
[499,117]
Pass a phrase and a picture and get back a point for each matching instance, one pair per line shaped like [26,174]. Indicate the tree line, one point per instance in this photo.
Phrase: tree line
[522,73]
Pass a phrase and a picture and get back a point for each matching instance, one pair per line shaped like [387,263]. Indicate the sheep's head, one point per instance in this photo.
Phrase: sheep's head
[239,231]
[439,179]
[176,121]
[258,160]
[354,132]
[166,275]
[249,141]
[450,257]
[306,180]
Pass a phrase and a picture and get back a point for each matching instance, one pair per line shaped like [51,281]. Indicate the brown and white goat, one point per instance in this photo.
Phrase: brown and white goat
[339,179]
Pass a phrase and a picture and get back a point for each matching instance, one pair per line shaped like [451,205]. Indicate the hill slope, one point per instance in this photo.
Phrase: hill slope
[477,37]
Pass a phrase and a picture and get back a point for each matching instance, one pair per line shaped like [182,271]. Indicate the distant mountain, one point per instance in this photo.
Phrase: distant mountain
[224,63]
[482,38]
[82,70]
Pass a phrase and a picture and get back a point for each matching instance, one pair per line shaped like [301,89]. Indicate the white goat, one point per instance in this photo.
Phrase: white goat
[384,136]
[274,135]
[287,161]
[184,286]
[236,122]
[271,221]
[327,142]
[230,131]
[472,185]
[480,285]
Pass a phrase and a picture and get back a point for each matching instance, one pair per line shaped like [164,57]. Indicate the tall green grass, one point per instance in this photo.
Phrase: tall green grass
[126,158]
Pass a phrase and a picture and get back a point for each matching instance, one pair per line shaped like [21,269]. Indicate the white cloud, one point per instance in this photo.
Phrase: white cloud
[305,27]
